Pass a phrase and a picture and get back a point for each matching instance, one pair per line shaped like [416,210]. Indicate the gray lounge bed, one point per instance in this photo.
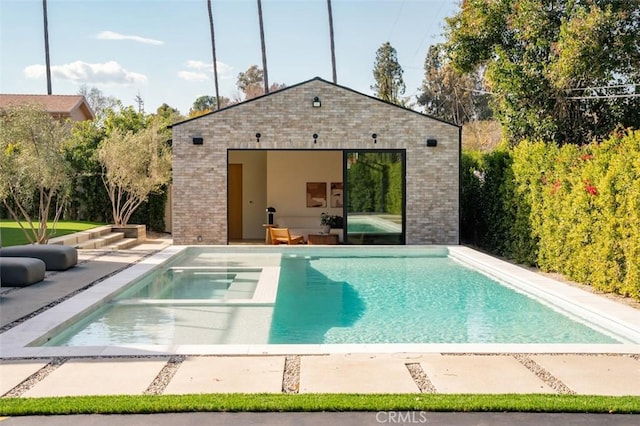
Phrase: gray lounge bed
[20,271]
[55,257]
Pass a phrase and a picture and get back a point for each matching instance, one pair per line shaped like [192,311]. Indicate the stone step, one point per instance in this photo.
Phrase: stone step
[79,238]
[101,241]
[123,244]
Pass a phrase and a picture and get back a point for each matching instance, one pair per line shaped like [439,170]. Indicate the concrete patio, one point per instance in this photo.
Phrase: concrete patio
[560,373]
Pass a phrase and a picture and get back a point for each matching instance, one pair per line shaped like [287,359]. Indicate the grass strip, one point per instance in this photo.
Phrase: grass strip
[12,235]
[144,404]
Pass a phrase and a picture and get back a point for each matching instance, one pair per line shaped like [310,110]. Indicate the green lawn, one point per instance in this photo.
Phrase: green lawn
[129,404]
[12,235]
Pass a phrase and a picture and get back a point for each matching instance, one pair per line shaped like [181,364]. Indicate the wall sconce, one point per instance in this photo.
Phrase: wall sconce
[315,137]
[197,141]
[258,137]
[316,102]
[431,142]
[375,137]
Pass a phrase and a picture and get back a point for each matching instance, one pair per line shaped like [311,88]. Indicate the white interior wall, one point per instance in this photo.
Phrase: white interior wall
[288,173]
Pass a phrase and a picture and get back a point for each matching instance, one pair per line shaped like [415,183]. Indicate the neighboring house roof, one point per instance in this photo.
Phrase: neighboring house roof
[74,107]
[276,92]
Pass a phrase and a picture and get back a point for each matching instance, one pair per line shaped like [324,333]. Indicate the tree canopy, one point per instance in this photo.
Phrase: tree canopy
[35,176]
[387,73]
[563,71]
[251,84]
[135,164]
[449,94]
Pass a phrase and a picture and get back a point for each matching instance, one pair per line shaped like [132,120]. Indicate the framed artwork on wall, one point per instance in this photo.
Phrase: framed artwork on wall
[336,194]
[316,194]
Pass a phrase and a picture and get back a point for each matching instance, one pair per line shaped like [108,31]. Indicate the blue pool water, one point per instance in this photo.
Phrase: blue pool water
[323,296]
[409,300]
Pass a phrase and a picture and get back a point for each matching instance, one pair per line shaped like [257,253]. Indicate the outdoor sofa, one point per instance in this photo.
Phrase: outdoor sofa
[55,257]
[20,271]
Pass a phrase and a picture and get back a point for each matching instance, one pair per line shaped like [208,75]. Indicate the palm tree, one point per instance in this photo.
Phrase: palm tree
[213,48]
[264,51]
[46,46]
[333,48]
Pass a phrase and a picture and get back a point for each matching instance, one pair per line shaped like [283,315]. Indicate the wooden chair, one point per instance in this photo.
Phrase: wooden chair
[282,236]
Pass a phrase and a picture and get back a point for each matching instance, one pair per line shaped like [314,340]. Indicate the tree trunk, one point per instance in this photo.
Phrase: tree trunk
[333,48]
[264,50]
[213,48]
[46,46]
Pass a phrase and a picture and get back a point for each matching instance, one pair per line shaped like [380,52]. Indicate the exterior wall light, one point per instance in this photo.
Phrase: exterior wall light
[258,137]
[316,102]
[197,140]
[431,143]
[315,137]
[375,137]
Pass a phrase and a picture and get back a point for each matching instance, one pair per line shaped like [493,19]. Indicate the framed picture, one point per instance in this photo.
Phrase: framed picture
[336,194]
[316,194]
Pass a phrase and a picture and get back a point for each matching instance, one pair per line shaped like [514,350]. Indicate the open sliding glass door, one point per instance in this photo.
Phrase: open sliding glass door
[374,207]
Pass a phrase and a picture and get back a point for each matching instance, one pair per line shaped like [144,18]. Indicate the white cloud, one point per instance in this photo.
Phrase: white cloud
[108,73]
[193,76]
[110,35]
[224,70]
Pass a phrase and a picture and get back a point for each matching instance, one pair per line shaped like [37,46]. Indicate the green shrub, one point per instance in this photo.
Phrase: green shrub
[573,210]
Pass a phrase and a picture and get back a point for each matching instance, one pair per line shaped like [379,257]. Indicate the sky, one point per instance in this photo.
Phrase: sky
[161,49]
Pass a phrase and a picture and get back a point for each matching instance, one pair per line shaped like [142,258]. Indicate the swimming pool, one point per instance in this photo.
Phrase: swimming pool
[320,295]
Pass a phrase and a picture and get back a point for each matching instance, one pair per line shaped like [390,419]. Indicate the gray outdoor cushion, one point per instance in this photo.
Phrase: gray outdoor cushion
[55,257]
[20,271]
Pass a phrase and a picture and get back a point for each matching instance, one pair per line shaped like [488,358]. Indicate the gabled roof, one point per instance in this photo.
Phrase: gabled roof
[275,93]
[59,106]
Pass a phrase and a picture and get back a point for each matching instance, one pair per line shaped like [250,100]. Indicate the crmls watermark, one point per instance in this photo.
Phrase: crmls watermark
[401,417]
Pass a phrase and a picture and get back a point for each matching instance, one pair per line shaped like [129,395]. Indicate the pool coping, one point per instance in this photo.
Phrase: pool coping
[622,319]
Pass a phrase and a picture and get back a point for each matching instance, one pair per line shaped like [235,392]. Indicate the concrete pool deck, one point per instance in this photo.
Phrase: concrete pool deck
[581,369]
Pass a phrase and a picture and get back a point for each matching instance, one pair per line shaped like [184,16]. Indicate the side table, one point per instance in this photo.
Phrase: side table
[267,235]
[327,239]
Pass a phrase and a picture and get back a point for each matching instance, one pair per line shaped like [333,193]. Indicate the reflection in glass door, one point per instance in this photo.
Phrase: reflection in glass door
[374,196]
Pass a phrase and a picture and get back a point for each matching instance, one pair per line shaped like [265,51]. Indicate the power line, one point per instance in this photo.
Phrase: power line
[629,95]
[616,86]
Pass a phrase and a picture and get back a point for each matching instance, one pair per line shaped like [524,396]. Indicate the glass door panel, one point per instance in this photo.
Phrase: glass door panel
[374,196]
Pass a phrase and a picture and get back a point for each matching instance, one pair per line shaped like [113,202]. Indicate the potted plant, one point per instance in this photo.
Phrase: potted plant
[330,221]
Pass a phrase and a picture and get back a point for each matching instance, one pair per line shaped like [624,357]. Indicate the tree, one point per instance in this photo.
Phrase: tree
[134,166]
[168,113]
[205,104]
[35,176]
[447,94]
[331,40]
[213,51]
[562,71]
[250,83]
[46,46]
[100,103]
[263,49]
[387,73]
[89,200]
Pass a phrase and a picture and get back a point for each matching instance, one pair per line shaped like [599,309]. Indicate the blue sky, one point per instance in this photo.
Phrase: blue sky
[161,49]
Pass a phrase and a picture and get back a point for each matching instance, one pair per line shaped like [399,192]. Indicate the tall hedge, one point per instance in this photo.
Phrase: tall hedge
[570,209]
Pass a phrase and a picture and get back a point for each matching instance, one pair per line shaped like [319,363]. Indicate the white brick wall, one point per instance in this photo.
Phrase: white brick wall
[287,120]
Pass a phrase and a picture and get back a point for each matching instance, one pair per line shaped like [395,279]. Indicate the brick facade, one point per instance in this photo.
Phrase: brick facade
[287,120]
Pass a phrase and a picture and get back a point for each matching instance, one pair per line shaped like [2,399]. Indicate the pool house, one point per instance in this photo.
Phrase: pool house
[391,174]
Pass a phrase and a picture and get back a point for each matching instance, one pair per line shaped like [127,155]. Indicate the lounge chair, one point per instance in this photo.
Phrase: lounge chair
[282,236]
[55,257]
[20,271]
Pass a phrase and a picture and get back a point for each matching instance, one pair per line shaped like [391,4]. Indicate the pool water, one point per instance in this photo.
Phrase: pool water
[409,300]
[324,295]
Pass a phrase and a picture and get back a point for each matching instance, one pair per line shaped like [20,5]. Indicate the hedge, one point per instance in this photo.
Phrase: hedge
[571,209]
